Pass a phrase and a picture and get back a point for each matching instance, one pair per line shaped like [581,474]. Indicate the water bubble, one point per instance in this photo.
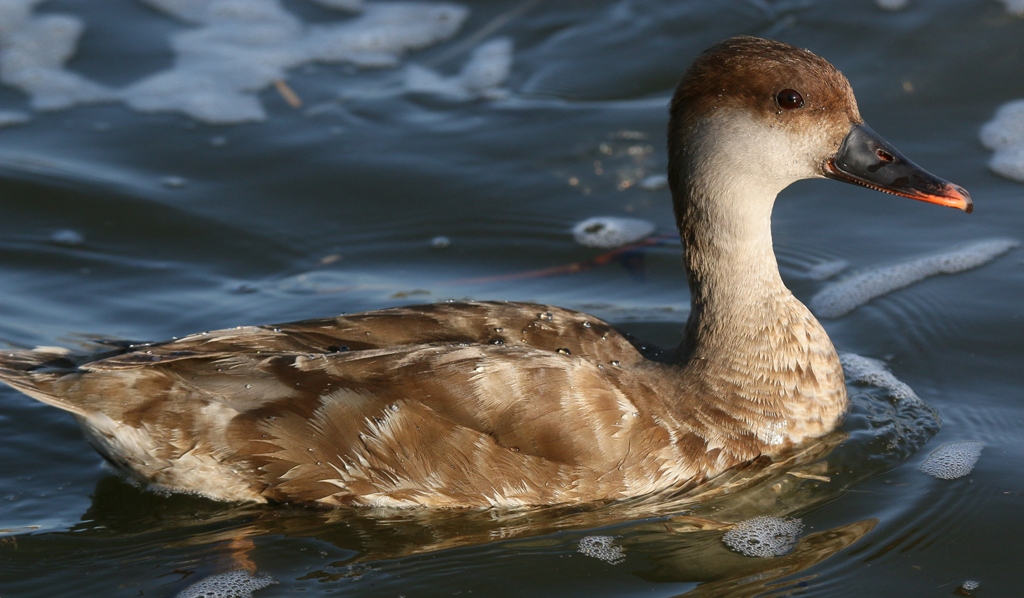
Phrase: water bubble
[480,78]
[764,536]
[850,293]
[826,270]
[1014,7]
[586,324]
[610,231]
[349,5]
[615,362]
[953,460]
[229,53]
[564,351]
[173,182]
[655,182]
[602,548]
[875,373]
[1006,129]
[236,584]
[892,5]
[970,585]
[67,237]
[546,316]
[9,118]
[440,242]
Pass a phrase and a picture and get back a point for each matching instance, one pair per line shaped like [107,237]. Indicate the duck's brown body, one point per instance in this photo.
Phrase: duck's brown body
[458,404]
[510,404]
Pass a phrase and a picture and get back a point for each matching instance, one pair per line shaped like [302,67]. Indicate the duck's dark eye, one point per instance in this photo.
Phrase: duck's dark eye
[789,99]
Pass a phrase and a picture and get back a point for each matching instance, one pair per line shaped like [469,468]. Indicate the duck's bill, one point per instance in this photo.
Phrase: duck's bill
[867,159]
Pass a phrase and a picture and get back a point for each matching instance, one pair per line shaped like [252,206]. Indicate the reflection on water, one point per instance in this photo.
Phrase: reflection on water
[701,557]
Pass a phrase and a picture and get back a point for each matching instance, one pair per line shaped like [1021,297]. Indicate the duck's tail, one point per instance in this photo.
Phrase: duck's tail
[37,372]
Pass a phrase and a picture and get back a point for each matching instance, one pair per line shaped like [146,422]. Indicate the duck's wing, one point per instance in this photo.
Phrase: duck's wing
[541,327]
[269,413]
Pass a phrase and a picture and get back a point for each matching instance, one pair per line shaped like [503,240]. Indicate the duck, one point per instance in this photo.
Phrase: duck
[506,405]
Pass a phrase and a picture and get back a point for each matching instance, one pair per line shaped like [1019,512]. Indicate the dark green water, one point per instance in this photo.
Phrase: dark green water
[116,223]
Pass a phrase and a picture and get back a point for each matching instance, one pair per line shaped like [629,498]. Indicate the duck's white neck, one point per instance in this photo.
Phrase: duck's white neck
[724,199]
[747,334]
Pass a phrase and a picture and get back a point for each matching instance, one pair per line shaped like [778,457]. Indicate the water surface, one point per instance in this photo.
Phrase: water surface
[117,223]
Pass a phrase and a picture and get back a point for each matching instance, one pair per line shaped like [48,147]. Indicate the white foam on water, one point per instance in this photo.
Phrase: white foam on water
[1004,135]
[844,296]
[1014,7]
[349,5]
[764,536]
[235,49]
[10,118]
[607,232]
[33,51]
[655,182]
[236,584]
[384,32]
[873,372]
[602,548]
[953,460]
[67,237]
[480,78]
[826,270]
[892,5]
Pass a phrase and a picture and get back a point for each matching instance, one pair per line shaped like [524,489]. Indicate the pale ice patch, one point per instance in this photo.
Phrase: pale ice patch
[850,293]
[611,231]
[481,77]
[953,460]
[873,372]
[1004,135]
[236,584]
[235,49]
[764,536]
[602,548]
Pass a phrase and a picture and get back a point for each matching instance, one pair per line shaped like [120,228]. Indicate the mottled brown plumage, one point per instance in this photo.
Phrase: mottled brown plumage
[510,404]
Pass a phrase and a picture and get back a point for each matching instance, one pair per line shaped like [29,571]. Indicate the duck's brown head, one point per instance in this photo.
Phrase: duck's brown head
[762,113]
